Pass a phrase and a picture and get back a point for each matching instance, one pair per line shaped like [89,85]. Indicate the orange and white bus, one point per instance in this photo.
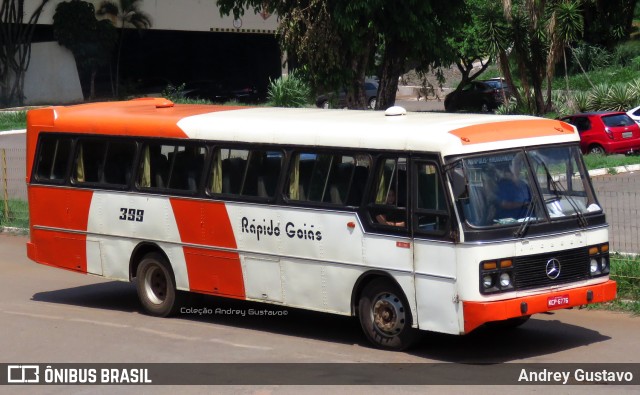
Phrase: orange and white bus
[438,222]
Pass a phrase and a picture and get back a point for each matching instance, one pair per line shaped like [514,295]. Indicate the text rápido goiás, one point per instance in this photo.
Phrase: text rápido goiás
[268,229]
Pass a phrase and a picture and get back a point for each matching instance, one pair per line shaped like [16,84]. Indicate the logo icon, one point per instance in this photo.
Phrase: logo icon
[553,268]
[23,374]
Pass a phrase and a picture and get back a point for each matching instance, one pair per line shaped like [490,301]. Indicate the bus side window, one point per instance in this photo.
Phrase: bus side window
[245,173]
[118,163]
[431,212]
[326,178]
[187,168]
[388,206]
[89,161]
[53,159]
[104,162]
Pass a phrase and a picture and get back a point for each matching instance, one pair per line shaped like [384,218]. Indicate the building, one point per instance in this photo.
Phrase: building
[188,42]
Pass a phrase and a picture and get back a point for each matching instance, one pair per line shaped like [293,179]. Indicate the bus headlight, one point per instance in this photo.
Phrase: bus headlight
[487,281]
[496,276]
[594,266]
[605,265]
[599,260]
[505,280]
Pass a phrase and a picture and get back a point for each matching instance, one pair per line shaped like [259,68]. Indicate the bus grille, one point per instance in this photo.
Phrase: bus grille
[531,271]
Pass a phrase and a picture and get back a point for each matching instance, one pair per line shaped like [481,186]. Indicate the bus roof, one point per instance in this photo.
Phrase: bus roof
[444,133]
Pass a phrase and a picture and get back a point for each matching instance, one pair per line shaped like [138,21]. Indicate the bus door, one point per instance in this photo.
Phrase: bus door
[434,250]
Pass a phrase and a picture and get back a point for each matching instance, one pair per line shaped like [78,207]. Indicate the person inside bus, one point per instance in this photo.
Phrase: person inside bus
[513,194]
[393,217]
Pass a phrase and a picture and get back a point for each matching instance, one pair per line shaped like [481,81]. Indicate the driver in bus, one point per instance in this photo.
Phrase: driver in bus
[392,218]
[513,195]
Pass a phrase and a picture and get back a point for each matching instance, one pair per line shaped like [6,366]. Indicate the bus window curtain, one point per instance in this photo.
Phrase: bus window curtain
[381,194]
[216,178]
[145,173]
[80,165]
[294,179]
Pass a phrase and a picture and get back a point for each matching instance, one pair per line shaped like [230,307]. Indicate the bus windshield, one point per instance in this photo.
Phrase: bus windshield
[524,185]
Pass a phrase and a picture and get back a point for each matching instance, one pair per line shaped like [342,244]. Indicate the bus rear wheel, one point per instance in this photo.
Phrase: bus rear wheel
[156,286]
[385,316]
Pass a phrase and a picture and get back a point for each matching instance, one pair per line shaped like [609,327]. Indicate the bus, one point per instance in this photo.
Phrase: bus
[408,221]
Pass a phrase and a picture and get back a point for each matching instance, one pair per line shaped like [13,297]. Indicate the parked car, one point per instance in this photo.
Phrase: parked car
[340,98]
[476,96]
[499,85]
[219,92]
[634,113]
[606,132]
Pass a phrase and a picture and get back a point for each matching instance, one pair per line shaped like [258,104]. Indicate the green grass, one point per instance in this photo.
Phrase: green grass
[609,76]
[18,214]
[626,272]
[610,161]
[12,120]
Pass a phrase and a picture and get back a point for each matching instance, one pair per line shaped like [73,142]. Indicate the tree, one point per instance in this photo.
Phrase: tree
[415,30]
[565,25]
[124,14]
[338,41]
[607,22]
[15,48]
[91,41]
[535,34]
[471,44]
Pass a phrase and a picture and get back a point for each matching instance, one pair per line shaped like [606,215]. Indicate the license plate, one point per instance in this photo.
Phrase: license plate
[558,301]
[627,135]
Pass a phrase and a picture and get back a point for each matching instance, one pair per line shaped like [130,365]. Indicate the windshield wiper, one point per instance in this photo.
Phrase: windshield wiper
[524,225]
[557,186]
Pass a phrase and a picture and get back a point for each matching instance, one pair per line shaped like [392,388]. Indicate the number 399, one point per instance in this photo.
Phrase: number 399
[131,214]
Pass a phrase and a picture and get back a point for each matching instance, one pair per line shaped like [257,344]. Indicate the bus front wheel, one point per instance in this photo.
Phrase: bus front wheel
[385,316]
[156,286]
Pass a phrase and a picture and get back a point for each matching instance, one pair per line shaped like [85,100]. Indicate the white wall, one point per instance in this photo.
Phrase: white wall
[52,77]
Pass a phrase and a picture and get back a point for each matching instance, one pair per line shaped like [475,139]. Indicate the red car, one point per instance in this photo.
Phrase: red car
[607,132]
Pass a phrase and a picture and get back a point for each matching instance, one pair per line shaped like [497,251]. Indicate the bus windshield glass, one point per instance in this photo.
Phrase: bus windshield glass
[532,185]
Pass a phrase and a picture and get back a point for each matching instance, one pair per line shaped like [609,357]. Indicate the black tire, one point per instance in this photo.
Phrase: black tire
[597,150]
[385,316]
[325,104]
[449,107]
[156,286]
[372,103]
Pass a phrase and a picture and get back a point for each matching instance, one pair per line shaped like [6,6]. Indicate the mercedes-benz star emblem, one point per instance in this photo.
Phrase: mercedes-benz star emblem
[553,268]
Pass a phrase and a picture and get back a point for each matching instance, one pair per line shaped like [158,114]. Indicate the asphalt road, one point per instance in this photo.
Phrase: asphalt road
[49,315]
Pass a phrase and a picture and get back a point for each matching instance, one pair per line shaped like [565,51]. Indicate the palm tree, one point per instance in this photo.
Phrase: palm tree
[124,14]
[565,25]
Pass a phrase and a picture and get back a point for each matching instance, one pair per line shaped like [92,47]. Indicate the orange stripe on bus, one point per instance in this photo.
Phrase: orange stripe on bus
[141,117]
[60,208]
[478,313]
[209,271]
[511,130]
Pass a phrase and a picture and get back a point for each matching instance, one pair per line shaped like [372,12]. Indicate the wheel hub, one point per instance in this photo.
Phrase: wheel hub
[155,285]
[388,314]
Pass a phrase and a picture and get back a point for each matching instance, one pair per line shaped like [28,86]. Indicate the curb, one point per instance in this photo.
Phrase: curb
[614,170]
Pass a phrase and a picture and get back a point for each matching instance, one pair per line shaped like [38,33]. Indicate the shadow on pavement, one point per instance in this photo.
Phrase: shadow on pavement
[536,338]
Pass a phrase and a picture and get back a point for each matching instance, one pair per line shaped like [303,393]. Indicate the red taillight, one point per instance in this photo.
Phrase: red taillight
[609,133]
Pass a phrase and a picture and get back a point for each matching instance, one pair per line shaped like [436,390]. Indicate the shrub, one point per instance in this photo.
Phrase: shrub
[562,104]
[597,97]
[289,91]
[174,93]
[619,98]
[625,53]
[581,101]
[634,88]
[590,57]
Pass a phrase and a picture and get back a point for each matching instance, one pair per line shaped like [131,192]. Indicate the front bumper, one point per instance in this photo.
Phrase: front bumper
[478,313]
